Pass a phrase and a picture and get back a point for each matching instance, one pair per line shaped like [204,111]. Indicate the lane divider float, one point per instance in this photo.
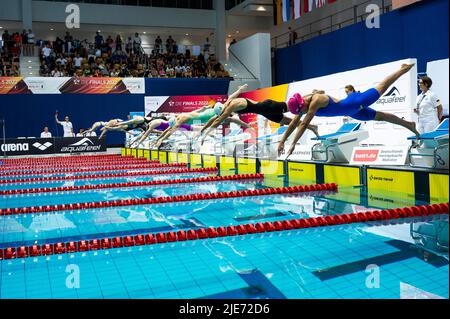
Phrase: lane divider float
[221,231]
[75,165]
[171,199]
[90,169]
[113,175]
[132,184]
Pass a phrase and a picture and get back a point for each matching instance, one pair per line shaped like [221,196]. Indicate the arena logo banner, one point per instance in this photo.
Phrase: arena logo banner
[80,145]
[399,99]
[35,146]
[74,85]
[180,104]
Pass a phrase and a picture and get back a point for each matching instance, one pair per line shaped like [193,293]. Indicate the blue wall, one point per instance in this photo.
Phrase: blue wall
[26,115]
[419,31]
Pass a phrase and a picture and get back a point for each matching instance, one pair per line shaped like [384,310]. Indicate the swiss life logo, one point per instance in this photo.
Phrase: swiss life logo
[393,96]
[366,155]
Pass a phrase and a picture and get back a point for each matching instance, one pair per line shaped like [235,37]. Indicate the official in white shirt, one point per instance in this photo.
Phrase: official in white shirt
[428,107]
[67,126]
[46,133]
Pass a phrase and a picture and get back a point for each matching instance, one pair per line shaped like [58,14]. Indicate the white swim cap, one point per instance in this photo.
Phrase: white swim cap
[218,108]
[172,121]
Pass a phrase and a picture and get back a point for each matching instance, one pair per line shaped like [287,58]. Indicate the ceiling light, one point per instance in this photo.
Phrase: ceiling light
[187,33]
[52,29]
[1,27]
[144,32]
[237,31]
[261,8]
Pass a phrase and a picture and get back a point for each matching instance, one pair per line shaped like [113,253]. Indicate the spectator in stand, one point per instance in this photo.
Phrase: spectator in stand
[58,45]
[169,44]
[110,43]
[61,60]
[46,133]
[31,42]
[233,42]
[119,42]
[98,40]
[24,37]
[129,45]
[68,39]
[158,44]
[58,72]
[206,46]
[137,44]
[5,39]
[46,51]
[17,43]
[44,69]
[77,61]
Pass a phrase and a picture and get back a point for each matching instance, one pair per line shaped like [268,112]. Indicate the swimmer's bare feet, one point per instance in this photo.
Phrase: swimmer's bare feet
[314,129]
[406,67]
[412,128]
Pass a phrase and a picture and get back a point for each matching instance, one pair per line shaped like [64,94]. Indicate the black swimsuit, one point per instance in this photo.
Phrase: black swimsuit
[270,109]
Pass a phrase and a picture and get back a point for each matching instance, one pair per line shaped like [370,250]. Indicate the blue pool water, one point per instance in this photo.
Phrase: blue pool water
[329,262]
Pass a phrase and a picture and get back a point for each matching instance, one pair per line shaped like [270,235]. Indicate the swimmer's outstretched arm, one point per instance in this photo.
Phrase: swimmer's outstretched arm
[94,126]
[294,123]
[302,128]
[136,120]
[225,114]
[167,133]
[151,129]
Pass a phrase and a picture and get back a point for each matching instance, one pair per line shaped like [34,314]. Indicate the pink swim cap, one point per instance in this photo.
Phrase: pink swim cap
[296,103]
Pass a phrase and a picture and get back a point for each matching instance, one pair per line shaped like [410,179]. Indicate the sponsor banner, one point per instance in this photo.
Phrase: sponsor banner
[399,99]
[438,188]
[246,165]
[342,175]
[79,145]
[180,104]
[13,85]
[388,188]
[73,85]
[301,172]
[381,155]
[269,167]
[162,157]
[301,153]
[40,146]
[30,146]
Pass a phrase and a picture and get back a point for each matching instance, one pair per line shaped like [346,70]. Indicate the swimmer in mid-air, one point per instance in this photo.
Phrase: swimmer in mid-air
[119,125]
[270,109]
[356,105]
[206,114]
[158,126]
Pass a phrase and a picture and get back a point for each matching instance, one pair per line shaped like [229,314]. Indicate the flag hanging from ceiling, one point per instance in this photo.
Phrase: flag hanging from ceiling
[286,10]
[277,15]
[297,9]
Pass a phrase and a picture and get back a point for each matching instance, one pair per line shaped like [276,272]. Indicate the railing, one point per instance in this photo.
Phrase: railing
[236,62]
[182,4]
[279,41]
